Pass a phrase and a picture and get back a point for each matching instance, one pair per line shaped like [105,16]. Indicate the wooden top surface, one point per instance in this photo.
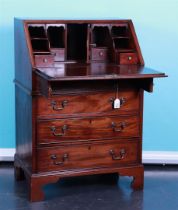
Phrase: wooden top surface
[96,71]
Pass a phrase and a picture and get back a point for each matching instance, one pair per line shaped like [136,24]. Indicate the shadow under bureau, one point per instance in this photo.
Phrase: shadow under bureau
[79,100]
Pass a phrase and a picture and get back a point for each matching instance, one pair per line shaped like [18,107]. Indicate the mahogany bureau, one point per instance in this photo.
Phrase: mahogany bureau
[79,100]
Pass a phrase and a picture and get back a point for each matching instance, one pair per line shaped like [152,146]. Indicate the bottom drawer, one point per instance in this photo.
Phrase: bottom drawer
[87,156]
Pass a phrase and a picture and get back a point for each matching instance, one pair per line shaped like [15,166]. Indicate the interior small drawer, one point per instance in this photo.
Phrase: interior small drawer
[87,156]
[58,131]
[44,60]
[59,54]
[88,103]
[99,54]
[128,58]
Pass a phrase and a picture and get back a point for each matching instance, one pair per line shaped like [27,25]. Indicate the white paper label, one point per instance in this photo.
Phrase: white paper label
[117,103]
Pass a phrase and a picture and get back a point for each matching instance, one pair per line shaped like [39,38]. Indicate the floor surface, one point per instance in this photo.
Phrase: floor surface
[97,192]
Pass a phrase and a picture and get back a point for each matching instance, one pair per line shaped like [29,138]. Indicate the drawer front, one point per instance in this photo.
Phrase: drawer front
[44,60]
[88,103]
[128,58]
[99,54]
[87,156]
[57,131]
[59,54]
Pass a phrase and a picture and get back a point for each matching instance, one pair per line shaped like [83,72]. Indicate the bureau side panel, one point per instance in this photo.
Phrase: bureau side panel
[23,67]
[141,124]
[23,127]
[141,61]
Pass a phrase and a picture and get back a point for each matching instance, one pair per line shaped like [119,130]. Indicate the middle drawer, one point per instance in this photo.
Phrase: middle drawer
[89,128]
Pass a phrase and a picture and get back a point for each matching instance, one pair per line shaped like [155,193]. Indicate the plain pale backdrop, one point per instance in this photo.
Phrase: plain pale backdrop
[156,25]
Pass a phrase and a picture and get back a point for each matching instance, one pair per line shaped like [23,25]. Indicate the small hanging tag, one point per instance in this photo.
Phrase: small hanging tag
[117,103]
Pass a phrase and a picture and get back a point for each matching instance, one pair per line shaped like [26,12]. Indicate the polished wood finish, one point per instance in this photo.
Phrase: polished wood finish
[70,72]
[67,81]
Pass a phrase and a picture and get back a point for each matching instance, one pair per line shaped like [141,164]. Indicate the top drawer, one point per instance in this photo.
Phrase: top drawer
[88,103]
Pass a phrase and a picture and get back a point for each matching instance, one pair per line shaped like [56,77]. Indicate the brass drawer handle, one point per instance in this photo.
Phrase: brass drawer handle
[64,158]
[122,100]
[120,156]
[53,53]
[92,45]
[122,125]
[56,108]
[63,129]
[101,53]
[45,60]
